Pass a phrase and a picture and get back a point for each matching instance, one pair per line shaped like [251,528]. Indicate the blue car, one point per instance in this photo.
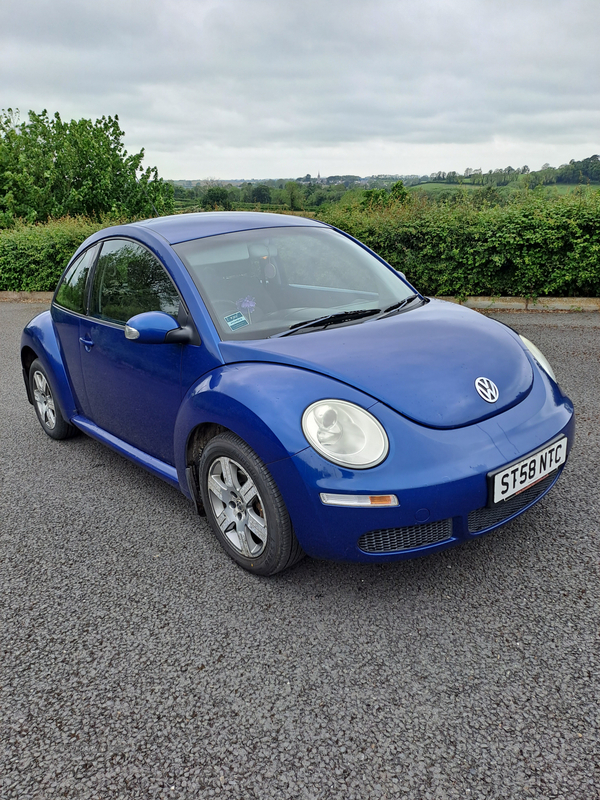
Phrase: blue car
[296,388]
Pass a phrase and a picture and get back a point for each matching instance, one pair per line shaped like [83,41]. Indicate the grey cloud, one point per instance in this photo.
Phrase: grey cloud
[257,74]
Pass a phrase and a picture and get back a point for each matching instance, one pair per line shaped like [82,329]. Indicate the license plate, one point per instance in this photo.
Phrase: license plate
[522,474]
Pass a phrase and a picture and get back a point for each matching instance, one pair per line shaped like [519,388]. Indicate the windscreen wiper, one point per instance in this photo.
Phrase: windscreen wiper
[328,319]
[399,306]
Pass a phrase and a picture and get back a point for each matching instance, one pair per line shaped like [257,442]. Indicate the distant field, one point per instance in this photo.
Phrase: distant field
[195,205]
[180,205]
[440,188]
[565,188]
[435,189]
[432,190]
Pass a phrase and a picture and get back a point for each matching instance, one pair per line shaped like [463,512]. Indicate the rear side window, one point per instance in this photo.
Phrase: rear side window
[71,293]
[130,280]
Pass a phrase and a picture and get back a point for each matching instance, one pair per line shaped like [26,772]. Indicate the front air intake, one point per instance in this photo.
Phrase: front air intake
[484,518]
[394,540]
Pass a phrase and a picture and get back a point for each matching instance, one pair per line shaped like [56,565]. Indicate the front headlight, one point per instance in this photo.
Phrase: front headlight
[345,434]
[539,356]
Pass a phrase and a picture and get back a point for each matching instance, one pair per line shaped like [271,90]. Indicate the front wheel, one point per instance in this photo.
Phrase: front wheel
[244,507]
[48,412]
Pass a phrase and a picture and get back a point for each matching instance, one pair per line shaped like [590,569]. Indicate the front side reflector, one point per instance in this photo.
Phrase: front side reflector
[360,500]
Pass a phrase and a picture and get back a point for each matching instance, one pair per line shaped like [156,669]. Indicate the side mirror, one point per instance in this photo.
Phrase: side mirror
[153,327]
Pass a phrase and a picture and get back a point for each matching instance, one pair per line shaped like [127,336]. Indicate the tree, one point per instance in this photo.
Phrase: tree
[399,192]
[381,198]
[261,194]
[50,168]
[375,198]
[216,197]
[293,191]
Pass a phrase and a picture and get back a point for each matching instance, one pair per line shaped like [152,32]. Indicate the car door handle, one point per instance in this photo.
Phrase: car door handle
[87,343]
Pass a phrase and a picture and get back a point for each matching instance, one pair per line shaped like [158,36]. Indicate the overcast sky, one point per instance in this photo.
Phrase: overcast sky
[281,88]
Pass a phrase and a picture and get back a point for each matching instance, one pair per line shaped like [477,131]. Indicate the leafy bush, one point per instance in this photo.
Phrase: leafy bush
[51,169]
[33,257]
[531,246]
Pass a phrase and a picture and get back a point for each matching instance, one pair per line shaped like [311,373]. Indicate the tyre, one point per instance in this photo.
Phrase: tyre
[48,412]
[244,507]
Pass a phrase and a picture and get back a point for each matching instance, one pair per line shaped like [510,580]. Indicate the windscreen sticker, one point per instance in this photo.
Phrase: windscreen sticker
[235,321]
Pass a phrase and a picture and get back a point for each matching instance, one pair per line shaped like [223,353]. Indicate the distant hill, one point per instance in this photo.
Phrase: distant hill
[575,172]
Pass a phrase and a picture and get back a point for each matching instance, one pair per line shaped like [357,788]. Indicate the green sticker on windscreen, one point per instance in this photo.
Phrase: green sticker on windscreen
[235,321]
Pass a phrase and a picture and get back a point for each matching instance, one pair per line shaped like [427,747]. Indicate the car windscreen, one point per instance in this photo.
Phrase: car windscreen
[261,283]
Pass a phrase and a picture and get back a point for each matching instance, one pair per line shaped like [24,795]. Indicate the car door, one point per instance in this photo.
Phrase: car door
[68,308]
[133,390]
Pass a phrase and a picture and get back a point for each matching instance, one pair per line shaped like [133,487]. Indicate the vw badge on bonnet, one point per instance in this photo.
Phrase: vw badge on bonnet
[487,389]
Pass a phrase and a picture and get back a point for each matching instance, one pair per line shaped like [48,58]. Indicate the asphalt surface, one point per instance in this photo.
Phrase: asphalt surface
[138,661]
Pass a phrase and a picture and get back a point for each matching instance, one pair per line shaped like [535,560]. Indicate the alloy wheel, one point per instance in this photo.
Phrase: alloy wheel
[237,506]
[44,400]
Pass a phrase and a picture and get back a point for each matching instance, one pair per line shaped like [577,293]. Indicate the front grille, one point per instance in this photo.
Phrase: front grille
[393,540]
[484,518]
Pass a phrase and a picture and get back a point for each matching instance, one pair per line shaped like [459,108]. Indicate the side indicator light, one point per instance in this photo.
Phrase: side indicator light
[359,500]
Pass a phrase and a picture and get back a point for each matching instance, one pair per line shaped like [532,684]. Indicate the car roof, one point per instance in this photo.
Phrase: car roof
[183,227]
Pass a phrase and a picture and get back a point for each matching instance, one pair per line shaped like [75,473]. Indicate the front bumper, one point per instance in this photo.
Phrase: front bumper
[438,476]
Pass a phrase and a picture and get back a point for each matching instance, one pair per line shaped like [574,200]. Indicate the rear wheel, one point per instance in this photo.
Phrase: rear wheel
[48,412]
[244,507]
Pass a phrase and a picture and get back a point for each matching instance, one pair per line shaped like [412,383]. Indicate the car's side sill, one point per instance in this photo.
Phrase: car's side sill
[153,465]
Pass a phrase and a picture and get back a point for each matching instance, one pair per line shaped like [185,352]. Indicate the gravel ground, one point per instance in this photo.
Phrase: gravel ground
[136,660]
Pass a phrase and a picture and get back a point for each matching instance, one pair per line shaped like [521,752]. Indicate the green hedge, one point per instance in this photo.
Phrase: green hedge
[32,257]
[532,246]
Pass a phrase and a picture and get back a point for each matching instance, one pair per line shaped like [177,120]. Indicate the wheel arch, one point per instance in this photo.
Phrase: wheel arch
[28,356]
[236,398]
[260,402]
[39,340]
[204,430]
[199,437]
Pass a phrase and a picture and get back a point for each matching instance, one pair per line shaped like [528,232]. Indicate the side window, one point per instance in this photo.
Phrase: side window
[129,280]
[71,291]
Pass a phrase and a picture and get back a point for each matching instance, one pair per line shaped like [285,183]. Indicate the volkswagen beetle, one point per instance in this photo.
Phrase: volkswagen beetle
[296,388]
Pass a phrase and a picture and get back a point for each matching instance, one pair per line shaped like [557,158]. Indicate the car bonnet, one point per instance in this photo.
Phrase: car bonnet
[423,363]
